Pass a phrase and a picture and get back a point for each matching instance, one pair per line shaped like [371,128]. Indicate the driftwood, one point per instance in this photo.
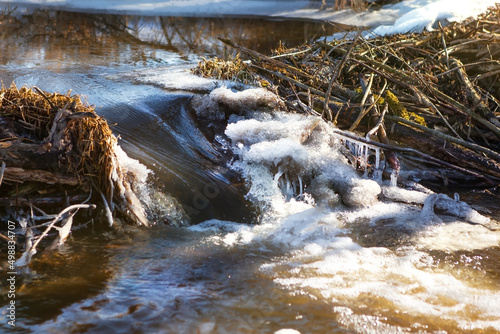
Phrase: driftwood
[440,89]
[57,154]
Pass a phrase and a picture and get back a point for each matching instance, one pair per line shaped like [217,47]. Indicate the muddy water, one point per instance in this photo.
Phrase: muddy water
[377,270]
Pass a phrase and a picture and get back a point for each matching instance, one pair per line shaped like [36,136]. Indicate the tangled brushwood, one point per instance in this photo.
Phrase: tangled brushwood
[430,99]
[57,155]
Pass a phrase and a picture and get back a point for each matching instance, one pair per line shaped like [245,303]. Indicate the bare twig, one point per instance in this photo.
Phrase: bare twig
[443,39]
[410,151]
[31,250]
[379,122]
[472,146]
[2,171]
[339,68]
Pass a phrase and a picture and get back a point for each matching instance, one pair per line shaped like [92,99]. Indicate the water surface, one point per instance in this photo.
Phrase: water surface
[276,247]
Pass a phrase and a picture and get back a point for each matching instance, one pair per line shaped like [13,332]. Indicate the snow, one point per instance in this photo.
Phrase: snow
[417,15]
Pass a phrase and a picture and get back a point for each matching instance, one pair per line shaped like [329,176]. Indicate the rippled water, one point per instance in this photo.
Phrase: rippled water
[318,261]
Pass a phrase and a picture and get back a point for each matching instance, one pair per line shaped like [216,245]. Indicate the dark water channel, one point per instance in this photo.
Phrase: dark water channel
[169,279]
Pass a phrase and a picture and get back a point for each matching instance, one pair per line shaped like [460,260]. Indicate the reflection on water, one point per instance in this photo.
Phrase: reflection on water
[66,38]
[57,279]
[306,268]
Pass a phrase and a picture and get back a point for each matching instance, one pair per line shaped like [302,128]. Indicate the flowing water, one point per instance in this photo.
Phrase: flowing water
[261,227]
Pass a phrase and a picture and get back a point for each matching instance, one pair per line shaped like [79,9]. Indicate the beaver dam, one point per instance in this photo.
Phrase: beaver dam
[346,185]
[58,154]
[429,99]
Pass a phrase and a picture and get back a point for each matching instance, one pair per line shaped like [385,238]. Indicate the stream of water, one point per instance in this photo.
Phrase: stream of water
[266,228]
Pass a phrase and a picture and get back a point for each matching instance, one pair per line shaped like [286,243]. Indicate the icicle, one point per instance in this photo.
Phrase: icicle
[277,176]
[377,158]
[365,161]
[301,186]
[289,190]
[377,176]
[295,189]
[394,179]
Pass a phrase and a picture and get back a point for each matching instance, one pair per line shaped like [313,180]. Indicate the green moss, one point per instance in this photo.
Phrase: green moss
[400,110]
[379,99]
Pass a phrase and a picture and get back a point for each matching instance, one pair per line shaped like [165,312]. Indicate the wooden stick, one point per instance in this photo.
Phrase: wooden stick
[295,82]
[2,171]
[17,174]
[443,39]
[336,75]
[472,146]
[265,58]
[32,249]
[379,122]
[473,94]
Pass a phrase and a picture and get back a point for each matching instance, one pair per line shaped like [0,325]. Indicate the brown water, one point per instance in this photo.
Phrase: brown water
[177,280]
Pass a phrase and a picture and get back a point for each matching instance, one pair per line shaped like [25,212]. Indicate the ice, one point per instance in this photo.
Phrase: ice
[450,206]
[403,195]
[174,78]
[417,15]
[394,178]
[315,207]
[402,17]
[287,331]
[286,152]
[273,142]
[362,152]
[159,206]
[408,15]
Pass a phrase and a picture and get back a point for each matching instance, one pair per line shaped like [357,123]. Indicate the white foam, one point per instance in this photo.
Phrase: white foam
[408,281]
[158,206]
[457,236]
[130,165]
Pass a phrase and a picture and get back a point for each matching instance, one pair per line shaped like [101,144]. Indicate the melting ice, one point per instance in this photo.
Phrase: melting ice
[347,238]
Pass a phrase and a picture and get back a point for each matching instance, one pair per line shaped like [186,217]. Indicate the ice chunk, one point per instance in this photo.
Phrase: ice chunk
[450,206]
[425,14]
[361,192]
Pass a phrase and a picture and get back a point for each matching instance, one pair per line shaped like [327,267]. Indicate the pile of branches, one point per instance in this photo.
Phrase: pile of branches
[57,155]
[430,97]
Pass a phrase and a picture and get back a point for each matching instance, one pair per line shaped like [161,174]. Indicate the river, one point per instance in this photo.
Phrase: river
[257,242]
